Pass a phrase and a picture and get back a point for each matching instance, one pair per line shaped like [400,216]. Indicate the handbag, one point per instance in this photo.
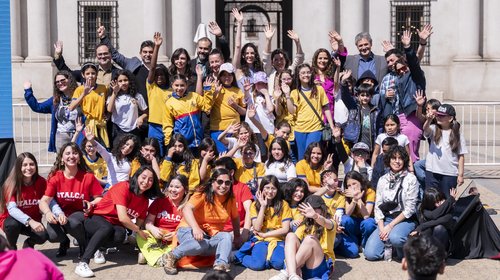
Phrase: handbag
[388,206]
[352,128]
[326,131]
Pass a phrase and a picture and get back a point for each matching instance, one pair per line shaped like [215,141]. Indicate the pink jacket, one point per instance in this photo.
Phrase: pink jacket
[27,264]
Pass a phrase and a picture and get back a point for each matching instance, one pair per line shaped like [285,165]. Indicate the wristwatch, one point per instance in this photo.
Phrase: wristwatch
[27,224]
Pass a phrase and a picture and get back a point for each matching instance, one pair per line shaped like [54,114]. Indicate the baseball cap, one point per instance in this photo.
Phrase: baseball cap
[228,67]
[446,109]
[315,201]
[259,77]
[360,146]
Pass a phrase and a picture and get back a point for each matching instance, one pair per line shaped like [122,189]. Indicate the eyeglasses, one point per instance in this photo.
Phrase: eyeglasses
[249,153]
[221,182]
[60,81]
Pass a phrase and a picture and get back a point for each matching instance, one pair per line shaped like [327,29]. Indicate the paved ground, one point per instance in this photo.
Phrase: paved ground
[122,265]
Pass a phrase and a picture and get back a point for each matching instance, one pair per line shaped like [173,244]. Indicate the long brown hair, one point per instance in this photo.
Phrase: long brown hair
[72,85]
[13,184]
[310,84]
[59,164]
[454,135]
[330,67]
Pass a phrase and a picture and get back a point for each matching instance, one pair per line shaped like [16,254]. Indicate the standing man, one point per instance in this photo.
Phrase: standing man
[366,59]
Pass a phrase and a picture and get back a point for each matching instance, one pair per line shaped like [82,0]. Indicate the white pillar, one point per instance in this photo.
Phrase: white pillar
[15,31]
[183,24]
[38,14]
[207,11]
[468,27]
[491,24]
[351,22]
[154,21]
[312,37]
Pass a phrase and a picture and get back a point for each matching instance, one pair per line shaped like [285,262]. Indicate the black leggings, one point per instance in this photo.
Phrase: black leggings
[100,233]
[74,227]
[13,228]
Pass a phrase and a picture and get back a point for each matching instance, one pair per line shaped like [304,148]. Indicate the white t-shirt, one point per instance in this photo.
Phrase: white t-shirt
[126,111]
[265,118]
[440,159]
[233,142]
[117,171]
[349,165]
[283,171]
[340,112]
[402,139]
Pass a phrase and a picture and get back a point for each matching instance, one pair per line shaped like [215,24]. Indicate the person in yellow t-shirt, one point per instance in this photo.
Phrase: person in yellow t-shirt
[295,192]
[309,250]
[314,162]
[307,125]
[357,222]
[228,104]
[332,194]
[180,160]
[248,171]
[91,97]
[271,217]
[95,162]
[158,94]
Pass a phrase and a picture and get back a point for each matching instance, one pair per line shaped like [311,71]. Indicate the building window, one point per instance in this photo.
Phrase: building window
[410,15]
[91,15]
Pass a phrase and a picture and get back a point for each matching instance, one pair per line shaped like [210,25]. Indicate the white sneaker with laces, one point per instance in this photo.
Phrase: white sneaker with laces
[283,275]
[99,257]
[83,270]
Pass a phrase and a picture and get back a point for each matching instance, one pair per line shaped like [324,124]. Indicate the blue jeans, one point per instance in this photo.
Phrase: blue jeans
[374,249]
[419,167]
[441,182]
[303,140]
[254,257]
[156,131]
[221,243]
[356,232]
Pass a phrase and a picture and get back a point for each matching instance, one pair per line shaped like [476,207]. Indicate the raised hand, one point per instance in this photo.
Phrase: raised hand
[430,116]
[79,124]
[247,86]
[210,155]
[425,33]
[328,162]
[346,74]
[27,84]
[58,48]
[114,85]
[251,111]
[214,28]
[199,70]
[293,35]
[336,61]
[157,39]
[209,81]
[101,32]
[87,87]
[406,38]
[285,88]
[238,16]
[336,133]
[307,210]
[269,31]
[261,198]
[387,46]
[88,134]
[334,35]
[419,97]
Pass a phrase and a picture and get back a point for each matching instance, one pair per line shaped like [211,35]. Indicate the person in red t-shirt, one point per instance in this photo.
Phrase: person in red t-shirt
[19,198]
[163,218]
[70,186]
[108,219]
[243,197]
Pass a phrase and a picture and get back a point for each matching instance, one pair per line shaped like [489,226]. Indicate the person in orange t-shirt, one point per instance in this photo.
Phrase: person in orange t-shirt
[201,229]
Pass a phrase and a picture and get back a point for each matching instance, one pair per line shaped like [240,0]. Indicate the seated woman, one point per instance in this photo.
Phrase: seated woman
[295,192]
[309,250]
[271,217]
[280,162]
[164,215]
[357,222]
[315,161]
[108,219]
[205,214]
[248,171]
[395,206]
[69,184]
[19,198]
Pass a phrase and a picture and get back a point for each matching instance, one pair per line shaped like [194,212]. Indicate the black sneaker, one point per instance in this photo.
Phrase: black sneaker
[63,248]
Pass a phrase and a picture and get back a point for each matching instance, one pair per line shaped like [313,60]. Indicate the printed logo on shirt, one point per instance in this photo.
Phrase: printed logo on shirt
[165,215]
[132,213]
[28,203]
[70,195]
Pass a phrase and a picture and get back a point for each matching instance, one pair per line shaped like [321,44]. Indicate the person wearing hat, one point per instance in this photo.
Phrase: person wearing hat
[309,250]
[357,161]
[445,160]
[228,103]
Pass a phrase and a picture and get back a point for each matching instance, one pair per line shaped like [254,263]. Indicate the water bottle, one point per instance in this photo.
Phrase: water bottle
[387,251]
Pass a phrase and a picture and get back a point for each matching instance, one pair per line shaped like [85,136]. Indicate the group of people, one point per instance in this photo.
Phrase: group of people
[208,162]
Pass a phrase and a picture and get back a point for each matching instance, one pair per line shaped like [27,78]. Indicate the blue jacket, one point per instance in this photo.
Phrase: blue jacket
[46,107]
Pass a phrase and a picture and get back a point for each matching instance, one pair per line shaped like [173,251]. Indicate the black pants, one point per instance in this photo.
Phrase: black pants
[13,228]
[74,227]
[100,233]
[441,234]
[117,134]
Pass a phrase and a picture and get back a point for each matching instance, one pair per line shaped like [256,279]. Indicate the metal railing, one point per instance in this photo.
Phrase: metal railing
[478,121]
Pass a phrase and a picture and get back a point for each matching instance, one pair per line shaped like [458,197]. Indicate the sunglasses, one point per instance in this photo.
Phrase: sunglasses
[221,182]
[60,81]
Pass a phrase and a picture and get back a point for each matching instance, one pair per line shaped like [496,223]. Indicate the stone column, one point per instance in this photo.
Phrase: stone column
[15,31]
[312,37]
[154,21]
[491,23]
[468,28]
[352,19]
[207,12]
[38,13]
[183,24]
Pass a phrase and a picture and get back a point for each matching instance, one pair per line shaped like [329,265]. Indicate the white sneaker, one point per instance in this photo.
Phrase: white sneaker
[282,276]
[83,270]
[99,257]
